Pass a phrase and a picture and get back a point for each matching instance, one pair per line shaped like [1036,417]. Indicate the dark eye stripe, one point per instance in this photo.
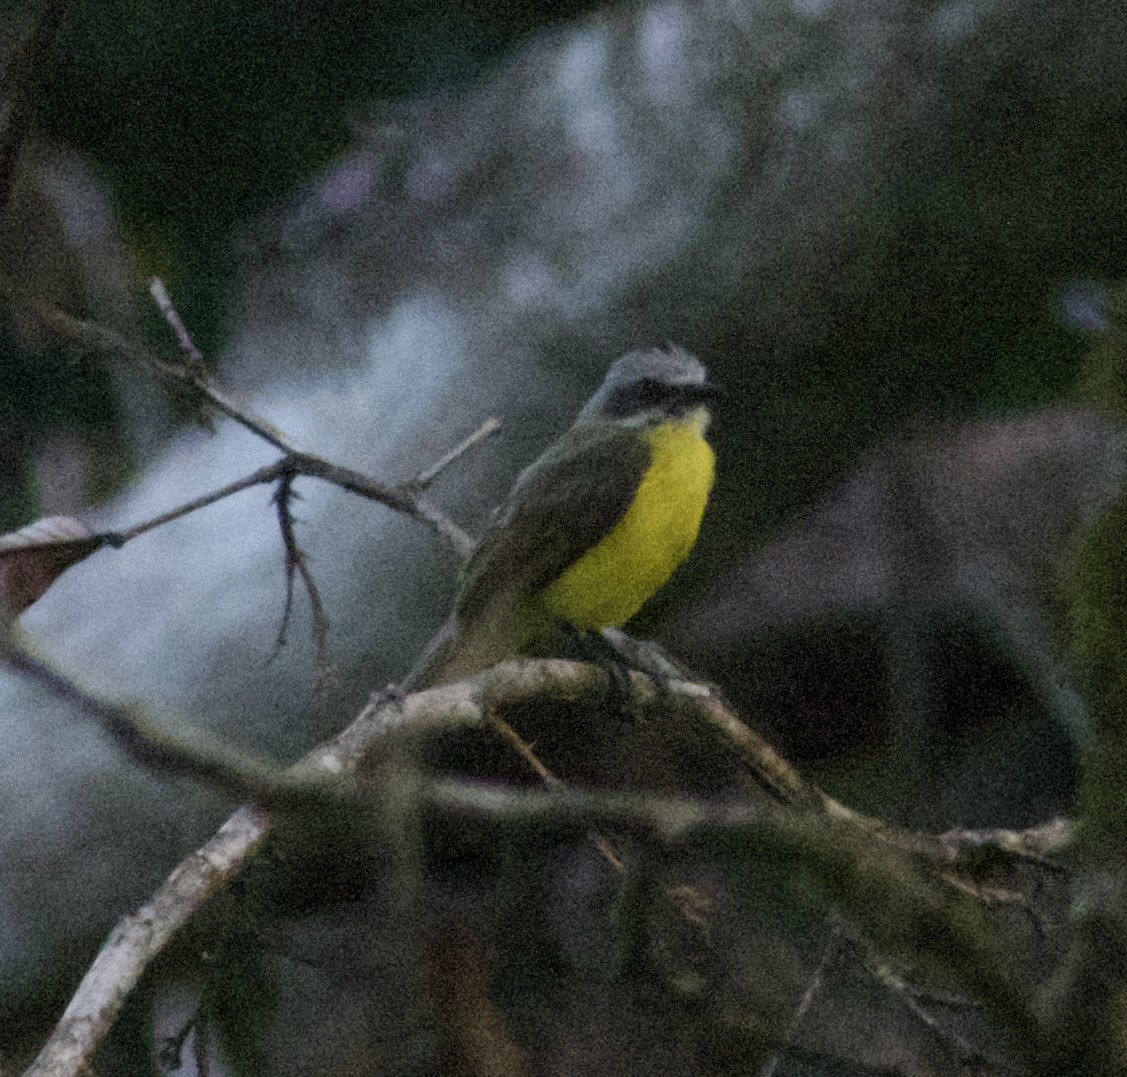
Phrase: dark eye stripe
[648,395]
[639,396]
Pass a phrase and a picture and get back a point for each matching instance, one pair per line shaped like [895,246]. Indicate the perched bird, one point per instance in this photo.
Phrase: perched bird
[594,527]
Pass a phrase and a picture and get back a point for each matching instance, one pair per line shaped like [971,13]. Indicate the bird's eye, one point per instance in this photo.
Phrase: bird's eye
[643,395]
[637,397]
[651,393]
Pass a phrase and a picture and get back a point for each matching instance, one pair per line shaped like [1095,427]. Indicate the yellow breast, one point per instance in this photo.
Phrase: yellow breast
[610,583]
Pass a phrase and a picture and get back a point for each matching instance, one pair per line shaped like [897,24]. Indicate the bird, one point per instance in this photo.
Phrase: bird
[593,528]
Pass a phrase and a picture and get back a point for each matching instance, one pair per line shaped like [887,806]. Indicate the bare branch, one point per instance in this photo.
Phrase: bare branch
[139,938]
[813,987]
[270,473]
[966,1053]
[399,498]
[885,878]
[296,565]
[486,430]
[408,498]
[164,304]
[222,766]
[525,751]
[97,338]
[403,498]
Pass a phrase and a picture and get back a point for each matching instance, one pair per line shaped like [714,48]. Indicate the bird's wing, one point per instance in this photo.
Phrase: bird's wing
[570,499]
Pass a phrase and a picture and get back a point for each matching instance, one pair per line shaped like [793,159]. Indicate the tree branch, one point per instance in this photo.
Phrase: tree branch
[406,498]
[889,880]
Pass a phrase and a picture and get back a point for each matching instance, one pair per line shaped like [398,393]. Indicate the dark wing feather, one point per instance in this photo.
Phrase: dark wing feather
[560,507]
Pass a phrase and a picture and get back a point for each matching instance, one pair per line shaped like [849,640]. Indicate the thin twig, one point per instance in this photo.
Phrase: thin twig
[220,765]
[486,430]
[296,565]
[117,539]
[817,978]
[98,338]
[398,498]
[407,498]
[264,475]
[284,471]
[965,1052]
[403,498]
[183,338]
[909,997]
[526,752]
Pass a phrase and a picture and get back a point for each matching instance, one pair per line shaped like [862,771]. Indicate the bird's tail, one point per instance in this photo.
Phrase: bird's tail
[461,648]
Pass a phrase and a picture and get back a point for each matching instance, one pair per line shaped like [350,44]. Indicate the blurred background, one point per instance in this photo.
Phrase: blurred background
[889,227]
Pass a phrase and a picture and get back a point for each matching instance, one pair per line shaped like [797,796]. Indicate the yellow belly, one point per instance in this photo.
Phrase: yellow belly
[610,583]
